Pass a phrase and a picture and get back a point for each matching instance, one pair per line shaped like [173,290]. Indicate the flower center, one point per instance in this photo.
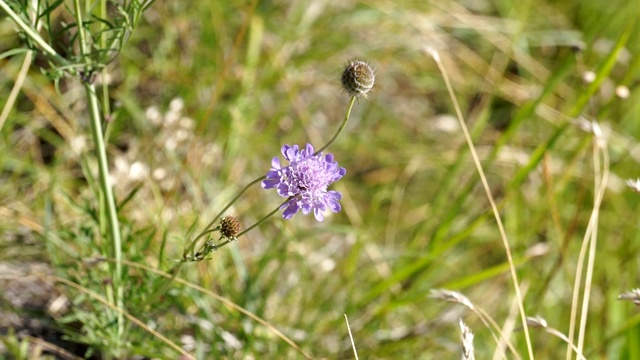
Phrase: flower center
[308,176]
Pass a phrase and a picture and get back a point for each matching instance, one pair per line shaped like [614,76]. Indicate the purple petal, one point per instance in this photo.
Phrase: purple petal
[305,180]
[291,210]
[290,152]
[318,214]
[273,174]
[275,163]
[309,150]
[270,183]
[284,149]
[306,207]
[334,206]
[283,189]
[331,200]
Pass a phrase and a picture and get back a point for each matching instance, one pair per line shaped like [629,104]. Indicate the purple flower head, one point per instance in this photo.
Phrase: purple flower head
[305,180]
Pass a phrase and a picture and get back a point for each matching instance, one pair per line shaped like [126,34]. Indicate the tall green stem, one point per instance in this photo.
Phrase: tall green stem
[103,169]
[109,200]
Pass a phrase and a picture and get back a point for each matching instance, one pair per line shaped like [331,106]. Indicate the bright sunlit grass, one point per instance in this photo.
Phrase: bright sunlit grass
[487,207]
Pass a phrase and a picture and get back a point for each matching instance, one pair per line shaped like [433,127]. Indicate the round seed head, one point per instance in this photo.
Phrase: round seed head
[358,78]
[229,226]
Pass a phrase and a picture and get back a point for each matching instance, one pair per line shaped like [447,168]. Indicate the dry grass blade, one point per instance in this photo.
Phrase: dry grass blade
[485,184]
[353,344]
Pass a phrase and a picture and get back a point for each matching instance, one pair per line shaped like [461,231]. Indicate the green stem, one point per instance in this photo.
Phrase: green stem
[106,109]
[217,246]
[81,33]
[235,198]
[342,126]
[93,105]
[109,200]
[176,269]
[207,228]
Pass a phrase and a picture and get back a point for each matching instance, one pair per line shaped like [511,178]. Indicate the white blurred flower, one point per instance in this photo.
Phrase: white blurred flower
[171,118]
[588,77]
[78,144]
[171,143]
[153,114]
[182,135]
[622,92]
[159,173]
[121,165]
[176,105]
[138,171]
[187,123]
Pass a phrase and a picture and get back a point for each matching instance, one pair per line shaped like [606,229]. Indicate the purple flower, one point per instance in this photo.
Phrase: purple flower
[305,180]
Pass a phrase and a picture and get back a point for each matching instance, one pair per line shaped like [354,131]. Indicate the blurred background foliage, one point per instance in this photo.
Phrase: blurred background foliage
[205,93]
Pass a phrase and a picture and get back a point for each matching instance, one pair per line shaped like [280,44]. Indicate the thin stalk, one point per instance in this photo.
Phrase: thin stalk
[333,139]
[109,200]
[601,179]
[342,126]
[353,344]
[106,110]
[587,244]
[487,189]
[109,203]
[234,200]
[217,246]
[263,219]
[207,229]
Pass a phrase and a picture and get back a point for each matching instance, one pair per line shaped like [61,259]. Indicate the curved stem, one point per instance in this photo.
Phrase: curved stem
[342,126]
[207,228]
[264,218]
[217,246]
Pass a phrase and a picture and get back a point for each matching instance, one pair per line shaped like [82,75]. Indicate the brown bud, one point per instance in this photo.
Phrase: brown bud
[229,226]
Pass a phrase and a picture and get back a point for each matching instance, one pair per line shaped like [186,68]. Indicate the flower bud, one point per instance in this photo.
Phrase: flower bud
[229,226]
[358,78]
